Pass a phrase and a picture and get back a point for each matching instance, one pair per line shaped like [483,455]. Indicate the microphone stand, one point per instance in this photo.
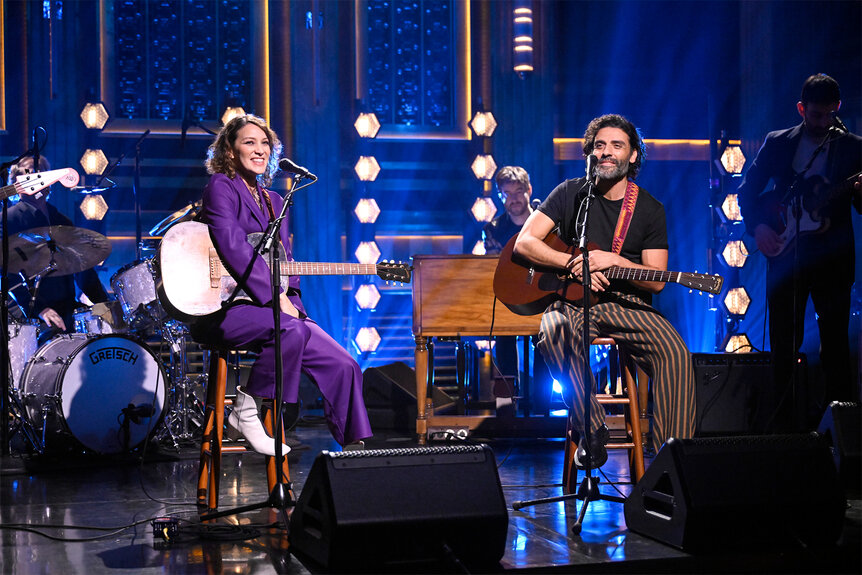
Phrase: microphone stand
[794,193]
[588,490]
[135,186]
[279,497]
[5,383]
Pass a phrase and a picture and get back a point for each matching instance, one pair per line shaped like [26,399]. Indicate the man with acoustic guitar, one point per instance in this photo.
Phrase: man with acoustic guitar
[627,225]
[810,250]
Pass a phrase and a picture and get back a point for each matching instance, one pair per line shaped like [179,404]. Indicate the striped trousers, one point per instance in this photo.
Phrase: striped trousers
[650,340]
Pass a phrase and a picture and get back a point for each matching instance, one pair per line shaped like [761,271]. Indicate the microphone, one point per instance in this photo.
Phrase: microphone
[592,164]
[286,165]
[838,124]
[136,413]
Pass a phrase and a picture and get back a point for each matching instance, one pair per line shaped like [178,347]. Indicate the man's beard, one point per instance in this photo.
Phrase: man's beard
[618,172]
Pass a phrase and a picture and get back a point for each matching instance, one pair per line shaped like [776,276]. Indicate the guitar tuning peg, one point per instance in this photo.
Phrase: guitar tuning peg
[690,291]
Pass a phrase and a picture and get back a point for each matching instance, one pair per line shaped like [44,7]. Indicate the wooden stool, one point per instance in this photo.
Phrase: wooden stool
[209,472]
[632,415]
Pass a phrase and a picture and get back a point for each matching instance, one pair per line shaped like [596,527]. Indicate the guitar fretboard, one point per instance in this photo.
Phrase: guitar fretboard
[8,191]
[638,274]
[326,269]
[308,268]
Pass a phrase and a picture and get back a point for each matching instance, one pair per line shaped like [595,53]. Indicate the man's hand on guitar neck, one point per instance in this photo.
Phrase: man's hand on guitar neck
[768,242]
[599,260]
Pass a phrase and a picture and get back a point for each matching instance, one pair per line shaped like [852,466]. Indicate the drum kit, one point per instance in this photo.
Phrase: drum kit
[101,389]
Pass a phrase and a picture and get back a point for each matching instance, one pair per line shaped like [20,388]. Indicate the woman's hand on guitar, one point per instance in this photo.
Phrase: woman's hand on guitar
[768,242]
[287,306]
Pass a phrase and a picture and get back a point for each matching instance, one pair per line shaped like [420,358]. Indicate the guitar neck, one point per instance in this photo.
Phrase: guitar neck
[8,191]
[644,275]
[326,269]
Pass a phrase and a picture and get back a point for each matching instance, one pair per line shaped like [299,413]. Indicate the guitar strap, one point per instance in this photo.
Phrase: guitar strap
[625,219]
[268,202]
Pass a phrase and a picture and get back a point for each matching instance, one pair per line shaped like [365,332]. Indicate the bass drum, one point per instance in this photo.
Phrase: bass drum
[104,393]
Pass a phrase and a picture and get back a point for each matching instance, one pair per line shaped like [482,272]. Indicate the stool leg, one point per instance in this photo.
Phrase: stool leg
[271,477]
[570,473]
[210,462]
[633,415]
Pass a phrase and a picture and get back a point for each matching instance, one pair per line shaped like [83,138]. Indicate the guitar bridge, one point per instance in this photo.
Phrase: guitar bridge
[215,269]
[530,273]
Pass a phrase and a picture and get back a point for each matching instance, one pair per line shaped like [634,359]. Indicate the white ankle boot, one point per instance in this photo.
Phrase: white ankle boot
[244,421]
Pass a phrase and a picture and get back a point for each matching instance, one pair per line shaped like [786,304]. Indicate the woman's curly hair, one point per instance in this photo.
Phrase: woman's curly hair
[219,159]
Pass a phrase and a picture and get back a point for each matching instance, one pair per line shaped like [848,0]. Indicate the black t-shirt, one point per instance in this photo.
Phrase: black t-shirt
[647,231]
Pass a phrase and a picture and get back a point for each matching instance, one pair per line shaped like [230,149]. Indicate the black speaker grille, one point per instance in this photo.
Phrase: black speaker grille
[406,452]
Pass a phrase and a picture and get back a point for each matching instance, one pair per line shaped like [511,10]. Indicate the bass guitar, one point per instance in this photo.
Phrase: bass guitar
[192,281]
[527,289]
[29,184]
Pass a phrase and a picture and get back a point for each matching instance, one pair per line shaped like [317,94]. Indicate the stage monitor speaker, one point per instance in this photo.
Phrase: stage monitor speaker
[398,509]
[842,427]
[733,393]
[702,494]
[390,396]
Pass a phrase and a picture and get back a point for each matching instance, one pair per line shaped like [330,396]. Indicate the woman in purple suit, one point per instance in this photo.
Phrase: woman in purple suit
[242,160]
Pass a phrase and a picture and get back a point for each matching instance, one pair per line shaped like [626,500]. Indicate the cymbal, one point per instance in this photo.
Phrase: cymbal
[182,215]
[67,249]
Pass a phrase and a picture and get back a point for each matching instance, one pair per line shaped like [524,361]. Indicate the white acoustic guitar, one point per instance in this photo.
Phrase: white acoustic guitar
[192,281]
[30,184]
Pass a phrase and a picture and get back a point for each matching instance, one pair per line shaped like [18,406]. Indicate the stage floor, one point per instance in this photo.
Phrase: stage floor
[114,494]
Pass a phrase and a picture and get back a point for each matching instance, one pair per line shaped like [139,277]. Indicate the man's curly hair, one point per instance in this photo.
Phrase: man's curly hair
[617,121]
[219,160]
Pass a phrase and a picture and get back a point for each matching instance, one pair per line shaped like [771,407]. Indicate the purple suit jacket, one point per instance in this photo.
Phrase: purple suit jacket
[232,214]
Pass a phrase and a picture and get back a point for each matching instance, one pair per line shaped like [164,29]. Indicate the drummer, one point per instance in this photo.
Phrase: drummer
[55,300]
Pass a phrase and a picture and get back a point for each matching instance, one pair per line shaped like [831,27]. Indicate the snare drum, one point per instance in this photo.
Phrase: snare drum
[136,290]
[23,343]
[104,393]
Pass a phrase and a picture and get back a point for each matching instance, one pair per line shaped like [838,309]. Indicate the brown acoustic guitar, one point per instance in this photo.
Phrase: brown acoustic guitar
[527,288]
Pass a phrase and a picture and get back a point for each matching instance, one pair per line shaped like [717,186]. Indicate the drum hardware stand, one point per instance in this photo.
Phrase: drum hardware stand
[184,416]
[23,425]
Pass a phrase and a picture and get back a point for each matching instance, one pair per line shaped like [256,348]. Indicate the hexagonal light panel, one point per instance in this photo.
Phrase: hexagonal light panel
[94,207]
[735,253]
[367,339]
[733,160]
[367,253]
[367,125]
[484,167]
[738,343]
[730,208]
[483,124]
[230,113]
[737,301]
[483,209]
[367,168]
[94,115]
[479,248]
[367,210]
[367,296]
[94,161]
